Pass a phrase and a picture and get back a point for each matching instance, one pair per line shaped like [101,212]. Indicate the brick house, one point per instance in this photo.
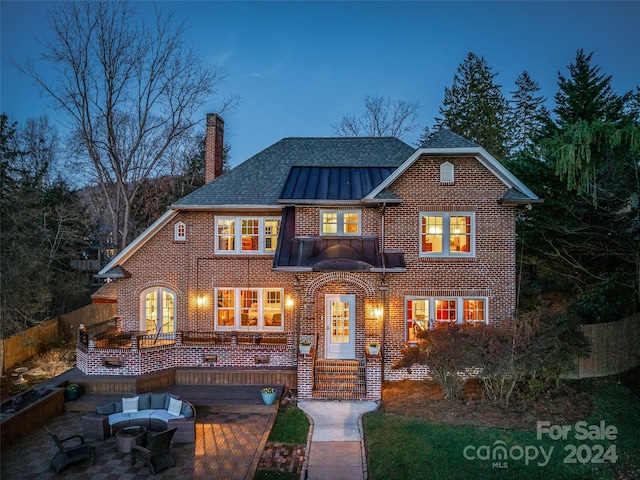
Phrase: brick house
[338,241]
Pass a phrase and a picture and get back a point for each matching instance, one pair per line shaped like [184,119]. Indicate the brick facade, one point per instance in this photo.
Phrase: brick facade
[192,270]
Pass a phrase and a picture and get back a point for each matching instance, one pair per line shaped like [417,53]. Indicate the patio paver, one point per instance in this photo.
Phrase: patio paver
[228,447]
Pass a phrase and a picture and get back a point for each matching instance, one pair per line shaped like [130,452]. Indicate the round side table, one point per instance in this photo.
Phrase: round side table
[129,437]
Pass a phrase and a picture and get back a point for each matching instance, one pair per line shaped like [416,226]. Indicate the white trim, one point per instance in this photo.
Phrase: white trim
[237,235]
[446,235]
[488,161]
[259,310]
[431,309]
[143,238]
[142,298]
[340,213]
[176,232]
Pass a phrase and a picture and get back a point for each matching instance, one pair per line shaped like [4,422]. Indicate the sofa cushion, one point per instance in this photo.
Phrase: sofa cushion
[158,400]
[106,409]
[118,418]
[168,399]
[117,406]
[140,414]
[164,415]
[144,401]
[175,406]
[186,410]
[130,405]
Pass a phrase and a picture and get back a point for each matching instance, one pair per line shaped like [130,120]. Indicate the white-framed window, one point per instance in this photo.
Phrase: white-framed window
[340,222]
[158,310]
[247,235]
[447,234]
[252,309]
[180,232]
[426,313]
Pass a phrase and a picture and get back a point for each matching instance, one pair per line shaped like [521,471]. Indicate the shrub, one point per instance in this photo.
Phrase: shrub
[447,353]
[537,344]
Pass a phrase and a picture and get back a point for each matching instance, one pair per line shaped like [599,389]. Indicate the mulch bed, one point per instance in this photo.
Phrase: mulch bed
[425,400]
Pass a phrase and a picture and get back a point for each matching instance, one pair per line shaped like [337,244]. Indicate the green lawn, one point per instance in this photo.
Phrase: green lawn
[401,448]
[291,427]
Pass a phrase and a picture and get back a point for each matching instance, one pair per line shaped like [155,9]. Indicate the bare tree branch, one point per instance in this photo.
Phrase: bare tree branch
[129,89]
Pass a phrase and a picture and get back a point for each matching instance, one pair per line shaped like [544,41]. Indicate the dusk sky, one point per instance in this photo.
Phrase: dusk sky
[298,67]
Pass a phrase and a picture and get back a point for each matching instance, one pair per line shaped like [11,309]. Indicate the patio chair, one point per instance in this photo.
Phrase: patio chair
[69,455]
[156,454]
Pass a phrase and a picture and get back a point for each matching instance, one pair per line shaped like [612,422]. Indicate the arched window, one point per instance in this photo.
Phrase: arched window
[158,310]
[180,232]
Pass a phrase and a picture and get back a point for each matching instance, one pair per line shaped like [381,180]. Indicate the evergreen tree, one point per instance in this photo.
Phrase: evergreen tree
[528,115]
[587,95]
[475,107]
[586,236]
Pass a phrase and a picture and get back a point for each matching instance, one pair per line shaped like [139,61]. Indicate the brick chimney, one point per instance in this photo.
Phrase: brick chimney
[213,147]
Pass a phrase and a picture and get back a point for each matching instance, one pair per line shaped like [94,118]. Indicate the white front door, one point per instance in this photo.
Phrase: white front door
[340,315]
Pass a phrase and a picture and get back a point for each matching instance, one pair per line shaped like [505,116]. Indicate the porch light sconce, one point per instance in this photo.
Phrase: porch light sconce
[210,358]
[261,359]
[378,311]
[289,302]
[202,300]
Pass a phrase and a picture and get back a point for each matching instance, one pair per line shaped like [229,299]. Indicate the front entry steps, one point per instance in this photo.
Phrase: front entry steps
[339,380]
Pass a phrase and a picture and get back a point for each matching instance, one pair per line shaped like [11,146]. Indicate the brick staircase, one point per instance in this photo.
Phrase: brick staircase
[339,380]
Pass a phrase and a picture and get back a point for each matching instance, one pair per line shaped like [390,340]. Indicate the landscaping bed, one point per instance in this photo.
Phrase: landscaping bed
[425,400]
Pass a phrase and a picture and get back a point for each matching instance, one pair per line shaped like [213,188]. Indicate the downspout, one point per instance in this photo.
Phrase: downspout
[384,208]
[383,290]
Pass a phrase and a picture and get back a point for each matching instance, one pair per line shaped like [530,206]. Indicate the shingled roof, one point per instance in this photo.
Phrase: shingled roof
[445,138]
[259,181]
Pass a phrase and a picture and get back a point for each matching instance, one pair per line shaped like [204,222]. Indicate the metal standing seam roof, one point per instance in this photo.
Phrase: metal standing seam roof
[332,183]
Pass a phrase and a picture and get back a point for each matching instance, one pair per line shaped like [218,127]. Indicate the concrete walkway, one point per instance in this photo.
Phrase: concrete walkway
[336,451]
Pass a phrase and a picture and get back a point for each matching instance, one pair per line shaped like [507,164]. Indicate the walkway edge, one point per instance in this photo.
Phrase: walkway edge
[251,473]
[304,473]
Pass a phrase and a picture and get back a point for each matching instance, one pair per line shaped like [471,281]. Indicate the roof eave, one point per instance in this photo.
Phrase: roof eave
[211,208]
[484,157]
[307,201]
[520,202]
[134,246]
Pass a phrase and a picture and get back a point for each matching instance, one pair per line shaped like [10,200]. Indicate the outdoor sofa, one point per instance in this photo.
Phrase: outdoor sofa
[154,411]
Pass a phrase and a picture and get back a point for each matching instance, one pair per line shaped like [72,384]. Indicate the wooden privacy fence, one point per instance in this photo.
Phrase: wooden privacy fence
[615,348]
[24,345]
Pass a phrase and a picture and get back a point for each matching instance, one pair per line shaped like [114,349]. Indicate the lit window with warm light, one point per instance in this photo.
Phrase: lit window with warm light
[340,222]
[247,235]
[425,313]
[253,309]
[447,234]
[158,311]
